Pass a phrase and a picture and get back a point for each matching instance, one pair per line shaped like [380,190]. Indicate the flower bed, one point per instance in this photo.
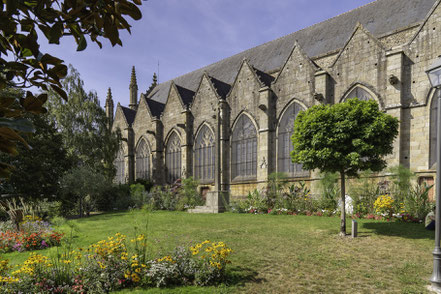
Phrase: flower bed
[112,264]
[34,234]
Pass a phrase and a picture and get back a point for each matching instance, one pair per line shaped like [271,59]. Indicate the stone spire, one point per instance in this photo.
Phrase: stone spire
[109,107]
[133,90]
[153,85]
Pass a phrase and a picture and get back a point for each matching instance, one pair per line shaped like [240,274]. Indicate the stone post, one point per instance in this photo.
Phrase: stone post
[130,155]
[158,168]
[224,117]
[265,148]
[323,94]
[187,144]
[218,200]
[395,103]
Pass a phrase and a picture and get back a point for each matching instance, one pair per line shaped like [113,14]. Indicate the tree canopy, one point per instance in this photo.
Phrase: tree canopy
[346,138]
[22,65]
[37,171]
[84,126]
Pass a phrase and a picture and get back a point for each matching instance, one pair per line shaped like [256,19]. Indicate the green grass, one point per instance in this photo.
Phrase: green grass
[281,254]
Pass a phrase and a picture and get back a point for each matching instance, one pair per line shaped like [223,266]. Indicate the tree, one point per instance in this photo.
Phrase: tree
[22,65]
[83,185]
[346,138]
[37,171]
[84,126]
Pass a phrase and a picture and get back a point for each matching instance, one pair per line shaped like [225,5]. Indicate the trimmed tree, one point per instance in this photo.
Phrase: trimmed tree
[345,138]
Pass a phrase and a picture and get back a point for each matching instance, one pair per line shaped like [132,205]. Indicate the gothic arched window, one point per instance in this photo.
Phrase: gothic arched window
[204,155]
[244,149]
[285,146]
[120,166]
[433,129]
[359,93]
[173,158]
[142,161]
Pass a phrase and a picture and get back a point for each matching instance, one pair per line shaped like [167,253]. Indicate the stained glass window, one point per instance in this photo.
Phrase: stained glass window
[142,162]
[359,93]
[285,147]
[173,158]
[433,129]
[244,149]
[204,155]
[120,166]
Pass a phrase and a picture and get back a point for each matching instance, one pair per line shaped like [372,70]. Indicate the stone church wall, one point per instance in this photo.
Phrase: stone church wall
[391,68]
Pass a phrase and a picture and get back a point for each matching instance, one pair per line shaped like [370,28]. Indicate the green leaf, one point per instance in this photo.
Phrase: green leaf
[82,43]
[59,91]
[55,33]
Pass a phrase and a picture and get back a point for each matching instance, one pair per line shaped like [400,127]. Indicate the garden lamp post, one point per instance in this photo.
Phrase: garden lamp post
[434,73]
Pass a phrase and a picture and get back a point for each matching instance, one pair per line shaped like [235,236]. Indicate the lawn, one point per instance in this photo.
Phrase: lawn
[280,254]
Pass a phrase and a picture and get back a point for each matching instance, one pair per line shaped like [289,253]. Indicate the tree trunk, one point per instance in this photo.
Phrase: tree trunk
[81,207]
[343,204]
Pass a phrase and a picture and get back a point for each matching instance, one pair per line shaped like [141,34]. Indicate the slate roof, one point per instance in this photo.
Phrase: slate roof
[380,18]
[186,95]
[129,114]
[221,88]
[265,78]
[155,107]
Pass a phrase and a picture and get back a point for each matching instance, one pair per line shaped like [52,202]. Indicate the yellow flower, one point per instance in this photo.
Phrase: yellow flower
[135,278]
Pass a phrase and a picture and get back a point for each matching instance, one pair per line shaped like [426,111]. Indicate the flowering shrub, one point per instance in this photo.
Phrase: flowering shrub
[34,234]
[114,264]
[384,205]
[212,258]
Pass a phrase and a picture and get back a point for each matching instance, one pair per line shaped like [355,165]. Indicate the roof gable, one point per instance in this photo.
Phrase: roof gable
[173,96]
[297,52]
[426,19]
[201,94]
[120,117]
[141,106]
[245,66]
[359,29]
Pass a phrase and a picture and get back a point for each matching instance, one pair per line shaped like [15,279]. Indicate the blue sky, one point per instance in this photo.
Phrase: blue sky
[184,35]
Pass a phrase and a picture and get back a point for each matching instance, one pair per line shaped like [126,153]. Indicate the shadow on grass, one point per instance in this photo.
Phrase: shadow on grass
[238,276]
[98,216]
[399,229]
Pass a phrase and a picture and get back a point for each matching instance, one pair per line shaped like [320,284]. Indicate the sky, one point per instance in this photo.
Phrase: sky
[184,35]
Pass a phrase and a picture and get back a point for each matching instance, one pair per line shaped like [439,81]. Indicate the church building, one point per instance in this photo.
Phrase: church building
[229,124]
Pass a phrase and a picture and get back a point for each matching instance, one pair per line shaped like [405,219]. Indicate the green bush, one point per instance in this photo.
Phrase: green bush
[188,196]
[364,191]
[411,199]
[401,183]
[50,209]
[139,196]
[277,184]
[296,200]
[148,184]
[330,191]
[114,197]
[416,203]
